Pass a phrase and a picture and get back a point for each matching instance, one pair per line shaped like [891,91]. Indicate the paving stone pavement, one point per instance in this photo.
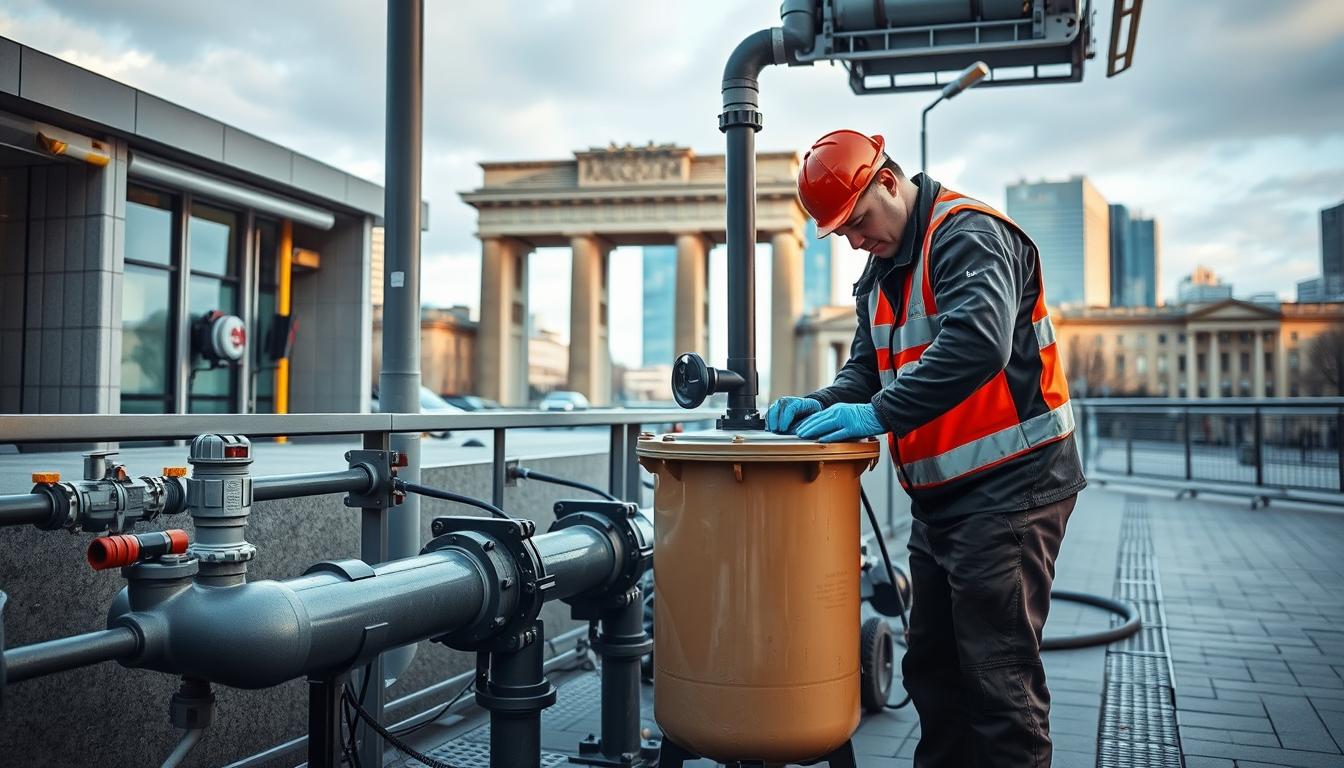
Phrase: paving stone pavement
[1254,603]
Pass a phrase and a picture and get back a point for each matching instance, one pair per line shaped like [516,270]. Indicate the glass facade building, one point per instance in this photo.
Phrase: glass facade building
[1070,223]
[1134,261]
[660,298]
[818,269]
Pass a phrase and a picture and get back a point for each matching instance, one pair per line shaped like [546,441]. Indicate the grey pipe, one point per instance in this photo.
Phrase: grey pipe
[399,379]
[175,177]
[580,558]
[184,746]
[24,509]
[262,633]
[29,661]
[311,484]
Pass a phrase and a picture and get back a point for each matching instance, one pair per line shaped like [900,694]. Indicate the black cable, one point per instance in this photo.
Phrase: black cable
[532,474]
[442,711]
[886,558]
[392,738]
[1126,610]
[438,493]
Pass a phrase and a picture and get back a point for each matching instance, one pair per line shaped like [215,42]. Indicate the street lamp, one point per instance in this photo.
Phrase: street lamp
[968,78]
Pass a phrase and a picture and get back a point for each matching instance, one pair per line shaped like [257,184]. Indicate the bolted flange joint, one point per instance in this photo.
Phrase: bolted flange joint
[631,538]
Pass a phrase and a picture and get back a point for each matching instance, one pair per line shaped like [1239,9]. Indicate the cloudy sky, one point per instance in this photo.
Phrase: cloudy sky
[1229,128]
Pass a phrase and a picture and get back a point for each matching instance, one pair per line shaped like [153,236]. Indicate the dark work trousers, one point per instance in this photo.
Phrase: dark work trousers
[981,592]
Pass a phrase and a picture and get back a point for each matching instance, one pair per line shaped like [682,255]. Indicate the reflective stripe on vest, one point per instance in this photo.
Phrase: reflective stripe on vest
[899,344]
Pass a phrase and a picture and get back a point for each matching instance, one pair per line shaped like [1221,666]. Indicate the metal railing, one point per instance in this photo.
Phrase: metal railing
[1282,447]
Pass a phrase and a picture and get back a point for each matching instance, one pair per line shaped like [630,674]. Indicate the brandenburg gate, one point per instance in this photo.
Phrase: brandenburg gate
[603,198]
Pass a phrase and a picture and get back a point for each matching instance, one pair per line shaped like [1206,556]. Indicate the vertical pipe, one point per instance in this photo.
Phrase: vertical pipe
[622,629]
[399,380]
[324,722]
[283,307]
[515,736]
[741,231]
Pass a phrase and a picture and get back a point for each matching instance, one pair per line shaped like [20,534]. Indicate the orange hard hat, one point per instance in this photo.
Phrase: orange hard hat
[835,172]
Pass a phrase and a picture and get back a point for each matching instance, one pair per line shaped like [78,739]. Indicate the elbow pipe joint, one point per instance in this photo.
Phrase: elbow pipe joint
[631,538]
[777,45]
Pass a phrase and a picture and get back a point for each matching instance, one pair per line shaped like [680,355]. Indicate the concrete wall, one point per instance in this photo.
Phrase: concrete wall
[109,715]
[330,370]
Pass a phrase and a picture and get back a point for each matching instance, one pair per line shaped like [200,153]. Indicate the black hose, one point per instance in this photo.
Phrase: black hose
[532,474]
[1127,610]
[438,493]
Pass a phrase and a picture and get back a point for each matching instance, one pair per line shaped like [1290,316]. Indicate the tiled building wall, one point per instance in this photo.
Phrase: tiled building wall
[13,253]
[330,368]
[72,288]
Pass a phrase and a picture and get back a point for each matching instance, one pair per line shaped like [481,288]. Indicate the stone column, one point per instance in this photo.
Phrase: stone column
[1173,369]
[1280,365]
[692,308]
[1191,371]
[1258,364]
[501,342]
[589,354]
[786,306]
[1215,385]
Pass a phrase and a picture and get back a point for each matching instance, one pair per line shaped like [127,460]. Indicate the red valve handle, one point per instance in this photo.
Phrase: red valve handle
[129,548]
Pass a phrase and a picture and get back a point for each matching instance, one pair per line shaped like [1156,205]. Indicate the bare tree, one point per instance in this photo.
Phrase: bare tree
[1085,367]
[1325,362]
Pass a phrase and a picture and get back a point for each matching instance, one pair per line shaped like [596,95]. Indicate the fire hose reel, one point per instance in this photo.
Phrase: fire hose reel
[219,338]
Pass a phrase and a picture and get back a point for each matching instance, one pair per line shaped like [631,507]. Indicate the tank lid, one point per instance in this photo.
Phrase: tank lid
[751,445]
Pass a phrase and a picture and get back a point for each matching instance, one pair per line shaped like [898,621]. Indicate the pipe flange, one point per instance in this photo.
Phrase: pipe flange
[515,579]
[617,520]
[64,506]
[733,118]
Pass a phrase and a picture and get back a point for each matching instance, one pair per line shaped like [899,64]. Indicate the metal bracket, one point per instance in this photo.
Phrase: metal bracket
[380,466]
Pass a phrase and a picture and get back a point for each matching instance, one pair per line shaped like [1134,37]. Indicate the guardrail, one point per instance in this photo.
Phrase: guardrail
[1265,448]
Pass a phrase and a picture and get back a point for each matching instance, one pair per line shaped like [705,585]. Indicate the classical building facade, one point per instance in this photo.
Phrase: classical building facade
[602,198]
[1227,349]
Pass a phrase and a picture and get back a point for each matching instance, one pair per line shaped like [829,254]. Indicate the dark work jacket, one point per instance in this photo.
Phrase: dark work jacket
[983,321]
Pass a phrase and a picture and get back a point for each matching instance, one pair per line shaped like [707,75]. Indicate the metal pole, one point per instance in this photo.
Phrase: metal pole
[399,380]
[498,469]
[373,549]
[1189,464]
[924,135]
[616,462]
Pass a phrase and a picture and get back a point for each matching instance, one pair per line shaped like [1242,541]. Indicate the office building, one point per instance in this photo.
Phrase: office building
[1202,287]
[660,296]
[1070,224]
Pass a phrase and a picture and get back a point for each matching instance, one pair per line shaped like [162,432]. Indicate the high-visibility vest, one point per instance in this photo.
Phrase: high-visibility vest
[992,425]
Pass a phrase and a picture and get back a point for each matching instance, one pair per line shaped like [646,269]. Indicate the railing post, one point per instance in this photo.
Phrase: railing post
[1259,449]
[1189,467]
[616,462]
[1339,445]
[634,490]
[1129,450]
[498,469]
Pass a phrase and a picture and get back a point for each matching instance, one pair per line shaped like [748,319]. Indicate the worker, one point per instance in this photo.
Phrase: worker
[954,359]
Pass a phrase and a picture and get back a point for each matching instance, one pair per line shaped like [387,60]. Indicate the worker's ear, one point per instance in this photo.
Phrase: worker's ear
[888,181]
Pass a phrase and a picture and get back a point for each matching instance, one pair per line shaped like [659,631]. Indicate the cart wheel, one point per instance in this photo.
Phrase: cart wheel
[876,650]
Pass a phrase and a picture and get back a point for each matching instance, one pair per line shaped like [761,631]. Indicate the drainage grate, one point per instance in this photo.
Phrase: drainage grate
[1138,716]
[575,701]
[468,754]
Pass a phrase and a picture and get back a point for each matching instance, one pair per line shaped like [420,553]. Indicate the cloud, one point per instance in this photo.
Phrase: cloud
[1229,128]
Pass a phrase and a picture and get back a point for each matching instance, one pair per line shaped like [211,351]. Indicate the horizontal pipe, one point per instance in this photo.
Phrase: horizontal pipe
[174,177]
[25,509]
[580,558]
[353,480]
[29,661]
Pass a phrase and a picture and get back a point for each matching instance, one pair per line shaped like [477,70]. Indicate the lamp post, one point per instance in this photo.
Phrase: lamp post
[968,78]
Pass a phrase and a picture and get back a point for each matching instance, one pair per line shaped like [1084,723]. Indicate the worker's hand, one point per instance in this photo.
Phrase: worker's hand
[785,412]
[842,421]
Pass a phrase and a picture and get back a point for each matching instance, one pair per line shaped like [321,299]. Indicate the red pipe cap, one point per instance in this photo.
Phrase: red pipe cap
[113,551]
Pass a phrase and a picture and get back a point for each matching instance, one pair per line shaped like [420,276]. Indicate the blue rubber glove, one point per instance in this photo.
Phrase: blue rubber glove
[785,412]
[842,421]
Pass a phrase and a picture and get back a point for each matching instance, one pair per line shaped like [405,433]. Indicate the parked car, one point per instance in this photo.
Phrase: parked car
[472,402]
[429,403]
[563,400]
